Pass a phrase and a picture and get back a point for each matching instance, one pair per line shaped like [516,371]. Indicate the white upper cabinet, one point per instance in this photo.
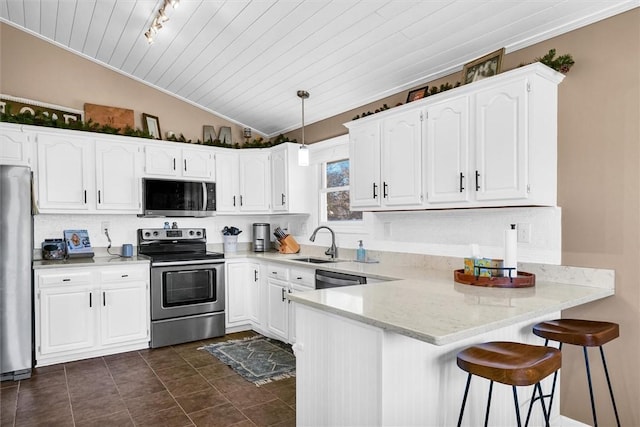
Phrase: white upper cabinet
[289,181]
[179,162]
[243,181]
[117,176]
[447,154]
[255,181]
[16,147]
[502,116]
[386,162]
[65,169]
[489,143]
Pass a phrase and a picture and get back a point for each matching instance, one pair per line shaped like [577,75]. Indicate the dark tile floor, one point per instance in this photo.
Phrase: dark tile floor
[171,386]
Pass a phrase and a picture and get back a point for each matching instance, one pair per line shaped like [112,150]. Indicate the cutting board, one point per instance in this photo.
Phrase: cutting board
[112,116]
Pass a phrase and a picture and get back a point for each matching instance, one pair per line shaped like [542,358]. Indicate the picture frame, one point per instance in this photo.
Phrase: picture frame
[78,244]
[483,67]
[151,125]
[208,133]
[417,94]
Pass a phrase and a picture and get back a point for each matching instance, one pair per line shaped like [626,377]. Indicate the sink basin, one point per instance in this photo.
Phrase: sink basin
[315,260]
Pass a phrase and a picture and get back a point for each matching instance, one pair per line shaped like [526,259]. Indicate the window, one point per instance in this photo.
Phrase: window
[334,194]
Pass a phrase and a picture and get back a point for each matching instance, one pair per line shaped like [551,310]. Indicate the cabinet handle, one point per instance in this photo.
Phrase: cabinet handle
[99,199]
[174,163]
[90,300]
[241,200]
[255,275]
[185,165]
[234,201]
[104,299]
[283,199]
[477,181]
[125,275]
[298,278]
[289,292]
[66,280]
[385,188]
[461,178]
[85,197]
[275,273]
[375,193]
[283,298]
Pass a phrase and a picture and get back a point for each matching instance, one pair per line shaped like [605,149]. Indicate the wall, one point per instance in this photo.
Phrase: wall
[38,70]
[598,181]
[598,191]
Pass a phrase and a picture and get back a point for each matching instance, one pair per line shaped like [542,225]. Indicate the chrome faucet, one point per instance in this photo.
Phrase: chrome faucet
[333,250]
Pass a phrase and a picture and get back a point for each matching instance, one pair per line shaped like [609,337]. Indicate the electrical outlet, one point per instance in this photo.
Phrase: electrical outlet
[524,233]
[105,225]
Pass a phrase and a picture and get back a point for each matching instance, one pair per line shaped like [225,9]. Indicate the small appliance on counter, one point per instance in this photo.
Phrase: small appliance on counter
[288,244]
[53,249]
[261,236]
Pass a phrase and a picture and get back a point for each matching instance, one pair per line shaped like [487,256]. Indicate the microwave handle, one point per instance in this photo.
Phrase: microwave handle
[204,196]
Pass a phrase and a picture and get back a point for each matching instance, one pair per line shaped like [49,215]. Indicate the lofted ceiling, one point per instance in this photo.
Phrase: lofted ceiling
[245,59]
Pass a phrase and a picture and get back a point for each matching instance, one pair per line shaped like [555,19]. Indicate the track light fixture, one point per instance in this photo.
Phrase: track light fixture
[161,18]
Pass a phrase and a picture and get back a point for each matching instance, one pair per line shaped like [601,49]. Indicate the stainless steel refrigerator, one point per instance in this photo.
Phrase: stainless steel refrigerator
[16,252]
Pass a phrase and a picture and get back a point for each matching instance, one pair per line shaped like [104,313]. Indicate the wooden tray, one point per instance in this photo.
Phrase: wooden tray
[523,280]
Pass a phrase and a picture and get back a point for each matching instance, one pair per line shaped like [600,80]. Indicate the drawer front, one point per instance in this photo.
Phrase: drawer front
[277,272]
[304,278]
[64,278]
[124,275]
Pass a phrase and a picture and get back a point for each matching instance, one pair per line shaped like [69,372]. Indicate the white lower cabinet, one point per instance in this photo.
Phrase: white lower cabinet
[263,305]
[90,311]
[242,287]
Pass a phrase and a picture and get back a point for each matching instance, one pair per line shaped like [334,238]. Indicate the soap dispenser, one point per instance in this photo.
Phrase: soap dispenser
[361,254]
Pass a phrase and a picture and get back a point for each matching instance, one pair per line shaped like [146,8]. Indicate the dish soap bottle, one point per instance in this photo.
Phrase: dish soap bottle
[361,253]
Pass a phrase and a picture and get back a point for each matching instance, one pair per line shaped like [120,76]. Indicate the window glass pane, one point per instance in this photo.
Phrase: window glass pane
[338,207]
[338,174]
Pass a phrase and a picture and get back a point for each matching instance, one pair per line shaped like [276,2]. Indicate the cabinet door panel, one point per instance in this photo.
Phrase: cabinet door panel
[64,165]
[67,319]
[117,182]
[15,147]
[161,161]
[124,312]
[447,151]
[402,159]
[255,182]
[501,142]
[197,164]
[277,308]
[227,182]
[364,166]
[279,180]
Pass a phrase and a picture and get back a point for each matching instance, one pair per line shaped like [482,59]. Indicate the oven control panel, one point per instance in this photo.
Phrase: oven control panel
[172,234]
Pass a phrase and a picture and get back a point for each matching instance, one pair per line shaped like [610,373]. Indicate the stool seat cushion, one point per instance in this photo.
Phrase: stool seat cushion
[586,333]
[510,362]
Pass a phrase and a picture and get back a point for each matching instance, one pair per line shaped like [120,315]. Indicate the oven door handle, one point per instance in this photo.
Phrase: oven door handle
[192,262]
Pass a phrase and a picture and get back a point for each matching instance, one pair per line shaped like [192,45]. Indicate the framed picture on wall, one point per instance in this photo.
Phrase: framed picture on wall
[417,94]
[483,67]
[151,125]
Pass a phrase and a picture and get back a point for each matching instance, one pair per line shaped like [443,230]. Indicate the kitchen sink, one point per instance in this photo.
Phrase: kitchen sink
[315,260]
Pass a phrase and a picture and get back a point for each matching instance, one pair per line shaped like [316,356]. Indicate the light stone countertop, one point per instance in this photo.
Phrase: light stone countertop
[89,262]
[423,301]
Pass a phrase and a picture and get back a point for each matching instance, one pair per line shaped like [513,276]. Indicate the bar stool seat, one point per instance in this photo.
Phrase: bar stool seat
[510,363]
[585,333]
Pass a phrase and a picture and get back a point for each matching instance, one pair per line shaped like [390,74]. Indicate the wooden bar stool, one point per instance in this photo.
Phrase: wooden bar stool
[585,333]
[510,363]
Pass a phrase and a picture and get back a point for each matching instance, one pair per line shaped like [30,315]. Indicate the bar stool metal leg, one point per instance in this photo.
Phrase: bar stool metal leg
[542,396]
[486,414]
[593,404]
[515,401]
[606,373]
[464,400]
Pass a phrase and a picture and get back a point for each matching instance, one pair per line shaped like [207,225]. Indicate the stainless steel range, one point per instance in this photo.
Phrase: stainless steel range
[187,285]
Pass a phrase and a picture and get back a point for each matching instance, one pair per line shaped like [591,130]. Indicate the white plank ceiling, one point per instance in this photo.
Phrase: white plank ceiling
[245,59]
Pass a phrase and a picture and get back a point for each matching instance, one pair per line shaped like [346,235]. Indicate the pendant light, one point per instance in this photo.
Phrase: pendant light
[303,152]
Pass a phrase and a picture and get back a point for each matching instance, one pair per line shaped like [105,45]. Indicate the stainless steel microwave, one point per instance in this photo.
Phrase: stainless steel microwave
[162,197]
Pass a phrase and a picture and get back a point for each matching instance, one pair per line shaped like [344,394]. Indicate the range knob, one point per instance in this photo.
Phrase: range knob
[191,232]
[147,234]
[199,233]
[155,233]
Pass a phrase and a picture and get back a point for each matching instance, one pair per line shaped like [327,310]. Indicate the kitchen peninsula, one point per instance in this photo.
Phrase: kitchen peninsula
[385,354]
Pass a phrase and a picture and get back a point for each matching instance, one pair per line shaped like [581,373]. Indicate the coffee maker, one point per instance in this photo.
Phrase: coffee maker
[261,236]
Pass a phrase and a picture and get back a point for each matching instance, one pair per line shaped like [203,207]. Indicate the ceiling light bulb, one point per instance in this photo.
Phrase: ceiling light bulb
[303,156]
[174,3]
[149,36]
[162,17]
